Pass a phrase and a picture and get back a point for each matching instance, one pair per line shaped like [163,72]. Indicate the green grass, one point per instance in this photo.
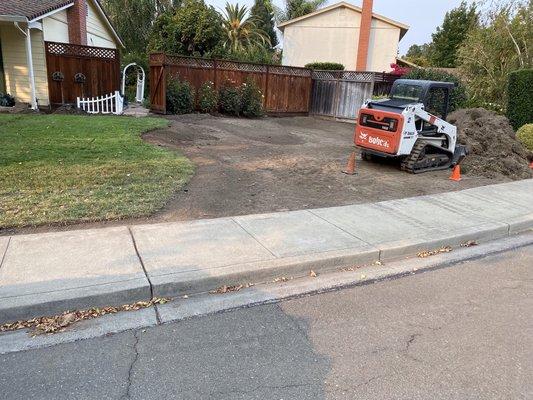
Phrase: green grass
[65,168]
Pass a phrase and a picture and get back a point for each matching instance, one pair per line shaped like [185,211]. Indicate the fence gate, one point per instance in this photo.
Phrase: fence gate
[80,71]
[340,94]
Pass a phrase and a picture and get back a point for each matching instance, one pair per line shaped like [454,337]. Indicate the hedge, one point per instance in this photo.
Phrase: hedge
[525,135]
[520,98]
[325,66]
[458,97]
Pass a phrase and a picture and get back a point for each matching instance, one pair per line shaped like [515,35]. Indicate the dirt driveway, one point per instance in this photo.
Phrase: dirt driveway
[276,164]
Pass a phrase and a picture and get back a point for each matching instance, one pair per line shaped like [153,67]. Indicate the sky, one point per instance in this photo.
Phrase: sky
[423,16]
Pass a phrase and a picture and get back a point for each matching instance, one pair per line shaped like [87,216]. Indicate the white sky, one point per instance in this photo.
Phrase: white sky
[423,16]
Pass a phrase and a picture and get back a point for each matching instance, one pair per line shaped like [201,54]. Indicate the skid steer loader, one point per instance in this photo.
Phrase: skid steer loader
[411,126]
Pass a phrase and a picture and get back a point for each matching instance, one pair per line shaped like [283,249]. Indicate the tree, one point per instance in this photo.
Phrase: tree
[133,19]
[240,29]
[263,14]
[192,29]
[449,37]
[502,44]
[419,54]
[297,8]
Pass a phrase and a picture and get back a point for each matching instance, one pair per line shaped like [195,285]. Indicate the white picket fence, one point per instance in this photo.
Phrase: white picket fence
[108,104]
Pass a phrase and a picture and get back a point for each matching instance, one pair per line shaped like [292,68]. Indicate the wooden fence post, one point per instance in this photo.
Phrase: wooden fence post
[266,86]
[215,78]
[336,96]
[372,84]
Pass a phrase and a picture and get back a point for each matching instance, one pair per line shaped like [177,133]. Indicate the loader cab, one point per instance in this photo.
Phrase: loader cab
[434,95]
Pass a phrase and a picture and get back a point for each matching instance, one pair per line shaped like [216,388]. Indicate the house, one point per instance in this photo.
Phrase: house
[356,37]
[26,26]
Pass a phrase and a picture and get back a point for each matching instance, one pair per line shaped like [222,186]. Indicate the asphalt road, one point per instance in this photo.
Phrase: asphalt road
[464,332]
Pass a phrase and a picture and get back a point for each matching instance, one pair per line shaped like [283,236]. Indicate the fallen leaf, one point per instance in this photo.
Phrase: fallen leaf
[58,323]
[313,274]
[227,289]
[470,243]
[429,253]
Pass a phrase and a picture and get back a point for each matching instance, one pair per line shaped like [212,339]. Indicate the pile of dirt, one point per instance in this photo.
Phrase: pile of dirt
[494,150]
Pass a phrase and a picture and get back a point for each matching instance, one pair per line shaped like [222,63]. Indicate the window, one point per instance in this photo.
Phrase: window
[406,91]
[437,100]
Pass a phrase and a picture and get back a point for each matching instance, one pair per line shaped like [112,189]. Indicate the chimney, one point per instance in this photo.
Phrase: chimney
[77,22]
[364,35]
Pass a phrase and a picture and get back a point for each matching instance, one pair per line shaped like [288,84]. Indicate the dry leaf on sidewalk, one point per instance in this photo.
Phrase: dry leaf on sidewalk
[313,274]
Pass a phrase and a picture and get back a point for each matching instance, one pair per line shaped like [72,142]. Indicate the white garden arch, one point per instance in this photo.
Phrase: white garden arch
[141,78]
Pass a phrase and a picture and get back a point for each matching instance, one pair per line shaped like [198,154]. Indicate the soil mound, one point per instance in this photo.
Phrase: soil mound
[494,149]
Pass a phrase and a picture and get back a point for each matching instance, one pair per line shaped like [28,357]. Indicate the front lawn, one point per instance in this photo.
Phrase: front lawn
[66,168]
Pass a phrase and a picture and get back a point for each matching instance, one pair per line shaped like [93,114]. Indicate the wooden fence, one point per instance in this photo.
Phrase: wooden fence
[80,71]
[285,89]
[340,94]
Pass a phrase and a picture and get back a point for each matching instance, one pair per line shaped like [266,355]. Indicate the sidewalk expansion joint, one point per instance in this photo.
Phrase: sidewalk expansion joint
[5,252]
[253,237]
[157,316]
[338,227]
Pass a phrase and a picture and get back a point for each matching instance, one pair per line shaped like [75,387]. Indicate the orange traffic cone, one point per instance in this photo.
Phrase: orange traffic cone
[456,173]
[350,167]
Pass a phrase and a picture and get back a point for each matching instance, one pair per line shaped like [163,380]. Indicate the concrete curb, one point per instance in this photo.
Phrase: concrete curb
[190,283]
[203,304]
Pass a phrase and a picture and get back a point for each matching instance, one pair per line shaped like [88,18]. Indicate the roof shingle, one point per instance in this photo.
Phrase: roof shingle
[30,9]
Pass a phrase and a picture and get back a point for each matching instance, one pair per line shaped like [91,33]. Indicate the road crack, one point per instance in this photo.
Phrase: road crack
[134,360]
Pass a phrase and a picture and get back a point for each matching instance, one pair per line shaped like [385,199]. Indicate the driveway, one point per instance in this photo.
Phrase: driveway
[275,164]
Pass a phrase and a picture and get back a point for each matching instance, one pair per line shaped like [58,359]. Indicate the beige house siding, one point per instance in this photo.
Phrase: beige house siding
[98,33]
[55,27]
[383,47]
[334,36]
[16,66]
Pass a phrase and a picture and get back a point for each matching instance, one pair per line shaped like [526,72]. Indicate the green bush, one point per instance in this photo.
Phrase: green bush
[229,100]
[208,97]
[325,66]
[180,97]
[6,100]
[251,99]
[458,98]
[525,135]
[520,98]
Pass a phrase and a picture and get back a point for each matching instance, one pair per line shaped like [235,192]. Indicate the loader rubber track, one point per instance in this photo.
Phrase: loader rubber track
[420,161]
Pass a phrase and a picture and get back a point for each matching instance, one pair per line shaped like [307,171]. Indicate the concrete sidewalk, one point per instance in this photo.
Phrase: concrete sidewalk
[48,273]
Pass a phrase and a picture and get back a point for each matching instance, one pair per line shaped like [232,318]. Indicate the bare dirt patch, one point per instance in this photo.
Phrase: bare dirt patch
[277,164]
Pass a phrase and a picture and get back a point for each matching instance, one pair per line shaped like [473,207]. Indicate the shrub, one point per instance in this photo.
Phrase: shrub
[180,97]
[325,66]
[251,99]
[525,135]
[520,98]
[6,100]
[458,98]
[229,100]
[208,97]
